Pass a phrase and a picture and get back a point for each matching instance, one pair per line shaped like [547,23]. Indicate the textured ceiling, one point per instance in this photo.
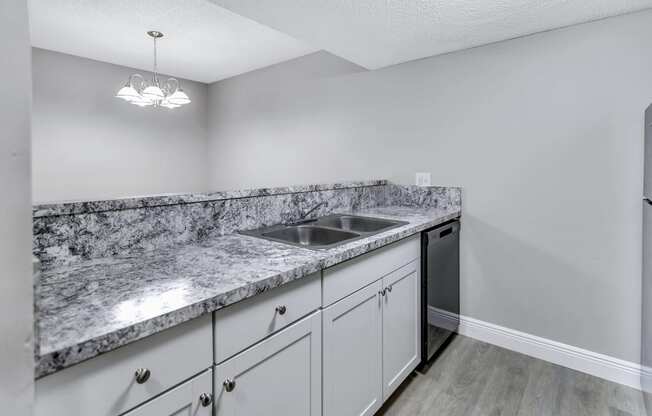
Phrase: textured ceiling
[206,42]
[202,42]
[377,33]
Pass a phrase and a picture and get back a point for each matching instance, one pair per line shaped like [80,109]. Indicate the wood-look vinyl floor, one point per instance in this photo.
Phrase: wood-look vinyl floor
[472,378]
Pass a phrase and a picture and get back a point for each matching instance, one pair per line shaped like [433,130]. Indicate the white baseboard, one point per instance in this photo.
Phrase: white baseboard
[646,384]
[589,362]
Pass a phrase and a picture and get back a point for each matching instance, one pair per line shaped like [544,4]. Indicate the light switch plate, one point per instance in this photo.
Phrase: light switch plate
[423,179]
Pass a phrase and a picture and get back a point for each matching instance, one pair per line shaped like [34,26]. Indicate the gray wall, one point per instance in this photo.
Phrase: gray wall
[16,351]
[88,144]
[544,133]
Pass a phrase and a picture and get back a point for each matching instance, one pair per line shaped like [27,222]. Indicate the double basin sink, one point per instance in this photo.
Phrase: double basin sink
[325,232]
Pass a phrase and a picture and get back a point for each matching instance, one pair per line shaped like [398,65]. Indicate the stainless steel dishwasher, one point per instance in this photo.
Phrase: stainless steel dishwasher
[440,287]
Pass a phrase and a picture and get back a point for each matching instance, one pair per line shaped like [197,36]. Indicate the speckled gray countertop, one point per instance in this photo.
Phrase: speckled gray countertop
[94,306]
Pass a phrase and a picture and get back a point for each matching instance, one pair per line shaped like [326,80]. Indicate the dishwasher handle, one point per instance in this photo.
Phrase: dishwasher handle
[443,232]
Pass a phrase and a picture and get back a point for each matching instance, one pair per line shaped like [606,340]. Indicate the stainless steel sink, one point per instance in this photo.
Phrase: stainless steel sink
[309,235]
[356,224]
[325,232]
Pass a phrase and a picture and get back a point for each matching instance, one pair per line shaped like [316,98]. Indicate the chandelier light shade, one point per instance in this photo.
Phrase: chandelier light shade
[179,97]
[167,94]
[153,93]
[128,93]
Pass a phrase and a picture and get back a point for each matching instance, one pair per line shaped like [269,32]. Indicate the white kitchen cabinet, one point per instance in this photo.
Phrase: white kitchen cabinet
[401,320]
[192,398]
[353,354]
[281,375]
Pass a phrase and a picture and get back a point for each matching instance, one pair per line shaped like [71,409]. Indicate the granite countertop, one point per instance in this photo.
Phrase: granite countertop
[94,306]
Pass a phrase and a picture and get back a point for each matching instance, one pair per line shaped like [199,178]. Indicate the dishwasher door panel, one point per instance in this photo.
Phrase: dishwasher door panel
[441,286]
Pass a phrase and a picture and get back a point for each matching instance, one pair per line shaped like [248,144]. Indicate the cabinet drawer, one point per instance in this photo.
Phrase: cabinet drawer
[345,278]
[106,385]
[243,324]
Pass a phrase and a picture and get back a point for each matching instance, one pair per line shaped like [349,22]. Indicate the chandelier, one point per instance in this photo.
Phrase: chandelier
[166,94]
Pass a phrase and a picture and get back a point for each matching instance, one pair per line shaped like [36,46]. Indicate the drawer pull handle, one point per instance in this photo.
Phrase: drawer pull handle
[389,288]
[383,292]
[142,375]
[205,399]
[281,309]
[229,385]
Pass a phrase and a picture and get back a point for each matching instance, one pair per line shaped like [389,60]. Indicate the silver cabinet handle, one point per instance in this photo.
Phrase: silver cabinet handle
[205,399]
[383,292]
[142,375]
[229,385]
[389,288]
[281,309]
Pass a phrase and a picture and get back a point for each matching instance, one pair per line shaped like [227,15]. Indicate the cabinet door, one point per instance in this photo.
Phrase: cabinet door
[183,400]
[401,334]
[281,375]
[352,354]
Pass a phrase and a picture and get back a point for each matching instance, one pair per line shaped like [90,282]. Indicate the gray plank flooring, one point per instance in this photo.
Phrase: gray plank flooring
[472,378]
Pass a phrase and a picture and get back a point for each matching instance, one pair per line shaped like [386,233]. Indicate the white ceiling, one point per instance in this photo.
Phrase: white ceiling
[378,33]
[206,42]
[202,42]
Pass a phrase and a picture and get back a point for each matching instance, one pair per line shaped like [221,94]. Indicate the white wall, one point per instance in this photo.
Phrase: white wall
[16,349]
[89,145]
[544,133]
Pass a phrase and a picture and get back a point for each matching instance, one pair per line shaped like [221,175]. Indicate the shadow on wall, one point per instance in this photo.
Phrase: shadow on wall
[521,286]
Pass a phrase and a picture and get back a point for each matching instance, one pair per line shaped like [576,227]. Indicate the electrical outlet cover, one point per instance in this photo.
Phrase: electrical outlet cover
[423,179]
